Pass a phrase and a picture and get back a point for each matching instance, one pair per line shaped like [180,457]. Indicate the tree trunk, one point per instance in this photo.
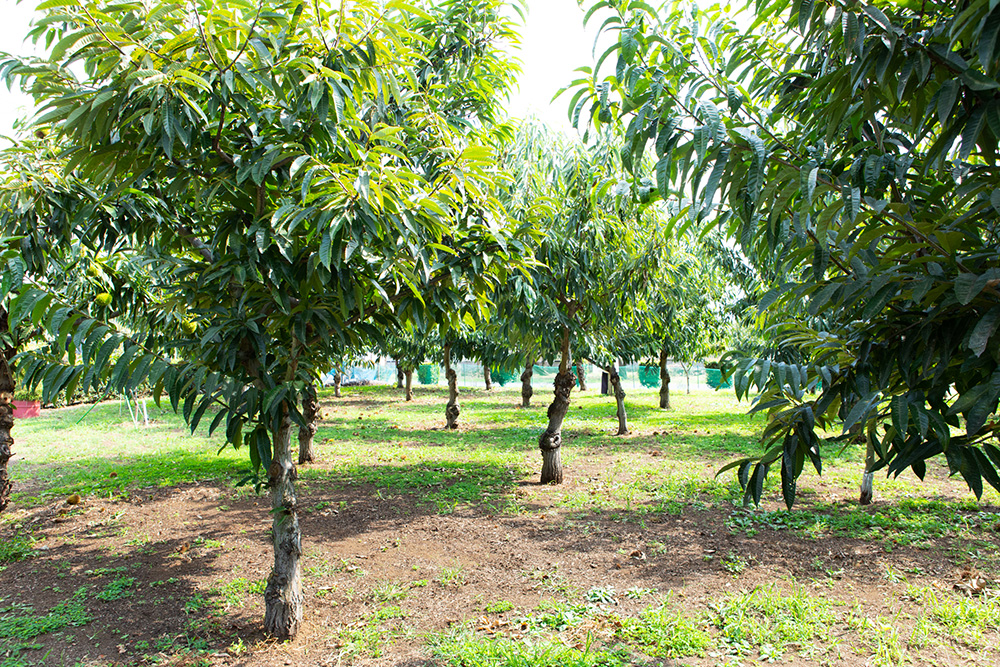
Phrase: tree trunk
[451,411]
[581,376]
[868,477]
[337,379]
[409,383]
[399,376]
[664,382]
[616,384]
[6,414]
[487,377]
[551,439]
[526,390]
[687,377]
[283,595]
[310,415]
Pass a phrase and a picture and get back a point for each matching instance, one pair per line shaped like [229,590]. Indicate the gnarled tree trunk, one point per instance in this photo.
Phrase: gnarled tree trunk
[451,411]
[409,383]
[616,385]
[6,414]
[868,477]
[581,376]
[283,595]
[526,390]
[551,439]
[487,377]
[664,382]
[307,432]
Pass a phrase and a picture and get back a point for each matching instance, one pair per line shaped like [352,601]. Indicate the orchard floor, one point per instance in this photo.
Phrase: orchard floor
[429,547]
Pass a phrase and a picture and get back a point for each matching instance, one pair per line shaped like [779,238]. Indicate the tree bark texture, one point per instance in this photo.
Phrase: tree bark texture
[664,382]
[399,376]
[616,385]
[338,378]
[526,390]
[868,477]
[283,595]
[487,377]
[6,415]
[551,439]
[452,411]
[409,383]
[581,376]
[307,432]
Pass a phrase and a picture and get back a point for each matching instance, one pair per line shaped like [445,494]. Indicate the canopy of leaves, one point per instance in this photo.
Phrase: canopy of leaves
[297,178]
[851,149]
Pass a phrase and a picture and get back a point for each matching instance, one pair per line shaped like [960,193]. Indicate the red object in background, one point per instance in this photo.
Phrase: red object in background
[25,409]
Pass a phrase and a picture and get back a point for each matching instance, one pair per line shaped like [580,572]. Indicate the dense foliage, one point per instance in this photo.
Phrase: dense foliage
[850,149]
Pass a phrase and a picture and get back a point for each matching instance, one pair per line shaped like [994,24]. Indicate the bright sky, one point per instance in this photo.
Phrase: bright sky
[553,45]
[13,28]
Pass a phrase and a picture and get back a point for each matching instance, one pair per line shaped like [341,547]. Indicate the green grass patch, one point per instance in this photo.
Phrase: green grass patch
[15,548]
[660,632]
[467,649]
[768,622]
[117,589]
[908,521]
[21,624]
[70,451]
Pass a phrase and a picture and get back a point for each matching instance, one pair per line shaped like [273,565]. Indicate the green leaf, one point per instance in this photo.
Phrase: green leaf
[900,409]
[947,96]
[964,288]
[876,14]
[663,176]
[973,127]
[979,339]
[988,39]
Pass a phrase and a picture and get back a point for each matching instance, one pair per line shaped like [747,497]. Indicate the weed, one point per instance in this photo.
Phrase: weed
[551,580]
[637,593]
[601,595]
[452,576]
[237,648]
[20,624]
[386,613]
[117,589]
[465,649]
[733,563]
[661,633]
[388,592]
[498,607]
[765,617]
[557,616]
[164,582]
[236,591]
[892,575]
[207,543]
[16,548]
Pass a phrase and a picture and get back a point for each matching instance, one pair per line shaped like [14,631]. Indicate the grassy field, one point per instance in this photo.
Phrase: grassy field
[425,546]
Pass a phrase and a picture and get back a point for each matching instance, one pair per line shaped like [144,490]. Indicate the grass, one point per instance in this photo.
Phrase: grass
[109,456]
[21,624]
[16,548]
[466,649]
[769,622]
[117,589]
